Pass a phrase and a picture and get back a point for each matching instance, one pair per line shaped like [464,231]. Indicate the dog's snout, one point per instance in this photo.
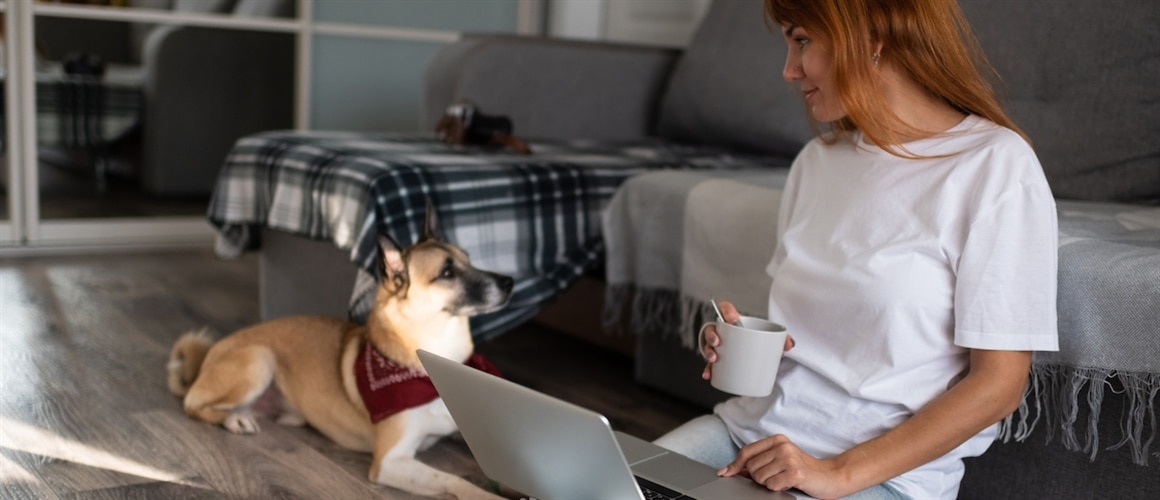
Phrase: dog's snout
[505,283]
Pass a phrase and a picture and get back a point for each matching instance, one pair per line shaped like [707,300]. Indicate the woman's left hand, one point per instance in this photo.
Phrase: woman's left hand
[779,465]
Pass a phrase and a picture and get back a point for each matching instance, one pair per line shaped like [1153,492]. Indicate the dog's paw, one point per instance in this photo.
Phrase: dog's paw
[238,423]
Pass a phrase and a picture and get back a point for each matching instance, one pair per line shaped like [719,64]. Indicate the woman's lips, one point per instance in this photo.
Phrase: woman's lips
[810,94]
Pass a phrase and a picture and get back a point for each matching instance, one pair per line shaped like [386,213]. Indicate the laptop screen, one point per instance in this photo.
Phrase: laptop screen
[531,442]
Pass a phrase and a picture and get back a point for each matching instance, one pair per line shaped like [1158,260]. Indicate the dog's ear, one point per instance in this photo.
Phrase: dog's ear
[429,221]
[393,265]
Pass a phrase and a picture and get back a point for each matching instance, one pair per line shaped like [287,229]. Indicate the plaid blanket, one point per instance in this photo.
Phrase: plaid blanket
[536,218]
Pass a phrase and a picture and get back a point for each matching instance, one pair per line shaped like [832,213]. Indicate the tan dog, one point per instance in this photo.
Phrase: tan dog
[428,292]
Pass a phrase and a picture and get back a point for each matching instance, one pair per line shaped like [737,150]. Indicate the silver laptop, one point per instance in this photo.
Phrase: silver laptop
[554,450]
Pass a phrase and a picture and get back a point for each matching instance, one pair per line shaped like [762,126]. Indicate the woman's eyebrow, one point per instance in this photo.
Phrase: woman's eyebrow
[789,29]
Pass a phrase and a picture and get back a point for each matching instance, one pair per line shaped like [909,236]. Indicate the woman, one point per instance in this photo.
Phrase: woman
[915,266]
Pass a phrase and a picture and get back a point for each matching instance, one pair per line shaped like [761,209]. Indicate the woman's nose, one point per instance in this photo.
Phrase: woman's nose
[792,70]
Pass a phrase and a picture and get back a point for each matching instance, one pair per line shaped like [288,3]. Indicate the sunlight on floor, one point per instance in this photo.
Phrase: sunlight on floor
[19,316]
[10,471]
[20,325]
[20,436]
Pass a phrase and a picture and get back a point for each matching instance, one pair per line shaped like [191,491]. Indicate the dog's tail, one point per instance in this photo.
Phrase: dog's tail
[185,360]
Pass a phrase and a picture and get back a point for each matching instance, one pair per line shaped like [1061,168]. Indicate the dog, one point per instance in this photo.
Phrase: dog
[426,296]
[464,124]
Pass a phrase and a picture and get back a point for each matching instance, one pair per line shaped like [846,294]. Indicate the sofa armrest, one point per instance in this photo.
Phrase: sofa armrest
[204,89]
[552,89]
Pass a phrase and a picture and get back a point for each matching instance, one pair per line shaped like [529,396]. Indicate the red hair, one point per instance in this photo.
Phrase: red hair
[928,40]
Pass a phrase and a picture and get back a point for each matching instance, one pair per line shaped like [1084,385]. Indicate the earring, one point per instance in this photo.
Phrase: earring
[876,57]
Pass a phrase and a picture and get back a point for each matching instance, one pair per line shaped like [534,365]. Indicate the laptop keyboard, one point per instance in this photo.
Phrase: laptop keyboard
[654,491]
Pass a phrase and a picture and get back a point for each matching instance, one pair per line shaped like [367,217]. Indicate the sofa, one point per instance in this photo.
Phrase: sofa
[194,81]
[1078,77]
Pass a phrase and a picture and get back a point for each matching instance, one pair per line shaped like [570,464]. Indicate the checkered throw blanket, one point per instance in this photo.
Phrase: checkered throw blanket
[536,218]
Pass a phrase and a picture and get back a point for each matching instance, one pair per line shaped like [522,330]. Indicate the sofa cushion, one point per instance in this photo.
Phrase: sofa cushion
[727,89]
[1081,80]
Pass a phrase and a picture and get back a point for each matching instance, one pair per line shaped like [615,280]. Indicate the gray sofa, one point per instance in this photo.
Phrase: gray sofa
[1080,78]
[203,87]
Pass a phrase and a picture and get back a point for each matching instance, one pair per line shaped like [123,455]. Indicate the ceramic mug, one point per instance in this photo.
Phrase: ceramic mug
[747,356]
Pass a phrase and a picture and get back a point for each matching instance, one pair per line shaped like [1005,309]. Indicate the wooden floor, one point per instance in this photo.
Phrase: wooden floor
[84,412]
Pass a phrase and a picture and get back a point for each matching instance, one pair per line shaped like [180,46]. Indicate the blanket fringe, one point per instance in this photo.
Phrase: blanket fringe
[1054,394]
[654,311]
[233,241]
[1052,398]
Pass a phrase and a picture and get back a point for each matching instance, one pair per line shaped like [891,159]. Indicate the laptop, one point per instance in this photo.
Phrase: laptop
[553,450]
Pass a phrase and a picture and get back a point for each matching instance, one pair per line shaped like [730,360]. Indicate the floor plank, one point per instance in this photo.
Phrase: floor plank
[84,412]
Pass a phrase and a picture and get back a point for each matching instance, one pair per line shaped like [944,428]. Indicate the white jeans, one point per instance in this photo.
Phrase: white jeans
[707,440]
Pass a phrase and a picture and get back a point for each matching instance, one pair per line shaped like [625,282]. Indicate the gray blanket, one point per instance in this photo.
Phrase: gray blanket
[674,239]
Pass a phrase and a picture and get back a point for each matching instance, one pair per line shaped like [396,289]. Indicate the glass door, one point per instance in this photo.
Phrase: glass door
[10,203]
[134,107]
[91,114]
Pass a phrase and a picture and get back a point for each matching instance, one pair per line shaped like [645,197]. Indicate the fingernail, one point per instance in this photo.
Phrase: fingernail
[722,472]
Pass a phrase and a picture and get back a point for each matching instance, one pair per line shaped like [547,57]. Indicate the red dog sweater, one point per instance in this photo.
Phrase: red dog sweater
[388,388]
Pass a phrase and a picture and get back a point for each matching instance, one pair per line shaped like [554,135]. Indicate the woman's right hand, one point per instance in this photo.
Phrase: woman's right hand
[710,340]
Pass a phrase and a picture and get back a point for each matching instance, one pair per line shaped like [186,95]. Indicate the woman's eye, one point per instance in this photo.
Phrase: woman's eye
[802,42]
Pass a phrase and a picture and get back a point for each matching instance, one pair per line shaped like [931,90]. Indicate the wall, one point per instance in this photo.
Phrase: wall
[374,83]
[651,22]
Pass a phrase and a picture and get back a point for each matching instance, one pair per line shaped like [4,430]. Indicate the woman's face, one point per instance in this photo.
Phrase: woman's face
[809,66]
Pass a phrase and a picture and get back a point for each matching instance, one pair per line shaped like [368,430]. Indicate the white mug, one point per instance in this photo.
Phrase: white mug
[747,356]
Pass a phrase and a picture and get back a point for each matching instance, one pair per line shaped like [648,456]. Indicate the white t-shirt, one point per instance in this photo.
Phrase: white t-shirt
[887,271]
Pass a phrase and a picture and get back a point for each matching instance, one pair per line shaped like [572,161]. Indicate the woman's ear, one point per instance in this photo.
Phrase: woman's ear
[876,46]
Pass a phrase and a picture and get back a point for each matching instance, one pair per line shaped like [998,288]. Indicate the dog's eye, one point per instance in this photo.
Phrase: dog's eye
[448,270]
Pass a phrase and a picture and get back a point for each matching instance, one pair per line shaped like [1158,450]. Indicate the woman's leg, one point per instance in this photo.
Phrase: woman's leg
[704,439]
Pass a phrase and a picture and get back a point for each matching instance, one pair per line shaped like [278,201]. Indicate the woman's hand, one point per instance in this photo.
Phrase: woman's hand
[778,464]
[710,340]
